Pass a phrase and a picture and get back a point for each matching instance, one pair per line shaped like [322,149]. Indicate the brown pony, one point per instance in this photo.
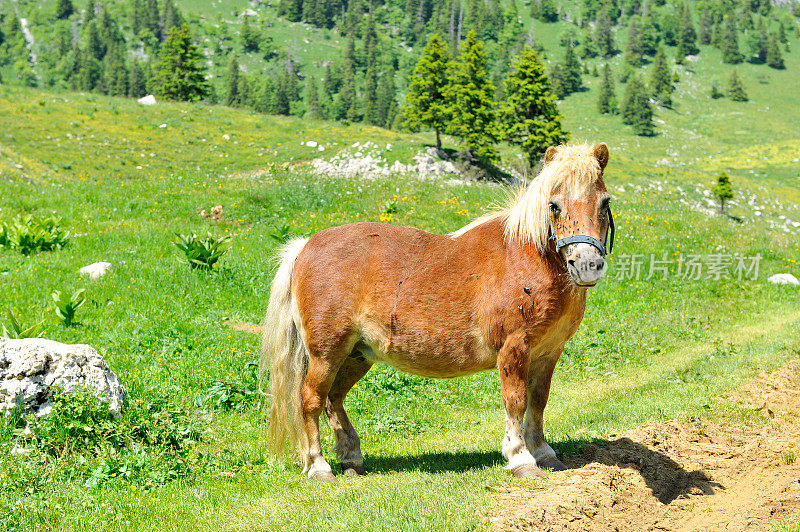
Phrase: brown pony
[506,291]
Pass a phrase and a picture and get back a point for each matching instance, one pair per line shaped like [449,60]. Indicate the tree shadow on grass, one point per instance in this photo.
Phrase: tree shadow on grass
[666,479]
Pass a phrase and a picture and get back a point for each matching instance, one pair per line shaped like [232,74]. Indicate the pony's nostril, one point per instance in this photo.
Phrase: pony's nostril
[571,262]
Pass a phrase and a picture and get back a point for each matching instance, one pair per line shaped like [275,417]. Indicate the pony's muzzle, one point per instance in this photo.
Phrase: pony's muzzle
[585,264]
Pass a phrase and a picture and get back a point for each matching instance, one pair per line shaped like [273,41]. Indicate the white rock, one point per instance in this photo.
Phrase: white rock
[147,100]
[30,368]
[249,13]
[692,58]
[311,143]
[784,278]
[163,126]
[226,136]
[95,270]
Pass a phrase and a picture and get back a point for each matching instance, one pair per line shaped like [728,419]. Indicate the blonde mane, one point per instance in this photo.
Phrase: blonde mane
[526,216]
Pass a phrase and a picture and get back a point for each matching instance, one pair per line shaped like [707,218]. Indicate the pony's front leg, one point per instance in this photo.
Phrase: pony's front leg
[540,372]
[513,361]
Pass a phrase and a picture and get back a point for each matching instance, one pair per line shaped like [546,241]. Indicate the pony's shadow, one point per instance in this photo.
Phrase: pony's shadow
[665,478]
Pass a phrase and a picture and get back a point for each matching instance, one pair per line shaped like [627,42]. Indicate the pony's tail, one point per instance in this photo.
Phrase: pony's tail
[284,359]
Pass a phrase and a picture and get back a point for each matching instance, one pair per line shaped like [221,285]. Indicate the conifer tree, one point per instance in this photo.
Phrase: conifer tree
[687,37]
[371,96]
[661,87]
[716,94]
[137,17]
[471,93]
[587,48]
[387,103]
[137,84]
[152,19]
[90,12]
[729,42]
[636,110]
[180,73]
[604,35]
[571,72]
[232,83]
[249,36]
[115,72]
[172,18]
[722,190]
[757,42]
[312,100]
[64,9]
[607,99]
[544,10]
[633,47]
[648,35]
[736,89]
[774,56]
[530,114]
[427,103]
[669,24]
[704,28]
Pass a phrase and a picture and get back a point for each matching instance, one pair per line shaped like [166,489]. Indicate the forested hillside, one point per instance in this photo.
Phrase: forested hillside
[354,61]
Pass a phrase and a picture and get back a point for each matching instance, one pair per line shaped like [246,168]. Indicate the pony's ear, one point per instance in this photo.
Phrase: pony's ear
[601,152]
[549,154]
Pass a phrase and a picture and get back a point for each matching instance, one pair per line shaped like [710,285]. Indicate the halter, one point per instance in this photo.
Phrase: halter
[586,239]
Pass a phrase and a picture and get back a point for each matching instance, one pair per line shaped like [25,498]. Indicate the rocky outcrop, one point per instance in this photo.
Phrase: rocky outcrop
[33,369]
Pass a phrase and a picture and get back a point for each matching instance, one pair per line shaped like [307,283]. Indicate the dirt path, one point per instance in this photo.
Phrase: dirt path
[678,476]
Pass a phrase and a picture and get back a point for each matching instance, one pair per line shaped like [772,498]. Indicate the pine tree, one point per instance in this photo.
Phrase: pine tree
[604,36]
[232,83]
[722,190]
[648,35]
[704,29]
[571,71]
[64,9]
[587,48]
[115,72]
[607,99]
[636,110]
[152,19]
[172,18]
[180,73]
[471,93]
[736,89]
[137,17]
[249,37]
[90,12]
[427,103]
[312,100]
[716,94]
[661,87]
[137,84]
[633,47]
[545,10]
[774,56]
[371,96]
[387,103]
[757,42]
[729,42]
[687,37]
[530,114]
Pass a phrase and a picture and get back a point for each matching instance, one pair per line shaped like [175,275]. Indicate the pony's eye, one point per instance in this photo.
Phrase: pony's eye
[554,208]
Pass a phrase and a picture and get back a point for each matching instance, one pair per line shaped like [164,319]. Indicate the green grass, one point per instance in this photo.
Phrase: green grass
[647,350]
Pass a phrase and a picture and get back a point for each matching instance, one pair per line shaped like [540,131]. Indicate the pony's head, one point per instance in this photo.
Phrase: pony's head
[566,208]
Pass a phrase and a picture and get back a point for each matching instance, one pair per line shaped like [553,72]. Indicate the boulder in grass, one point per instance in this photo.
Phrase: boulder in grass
[784,278]
[147,100]
[32,369]
[95,270]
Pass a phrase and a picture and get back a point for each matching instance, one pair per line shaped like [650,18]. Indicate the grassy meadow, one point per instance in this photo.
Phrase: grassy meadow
[125,179]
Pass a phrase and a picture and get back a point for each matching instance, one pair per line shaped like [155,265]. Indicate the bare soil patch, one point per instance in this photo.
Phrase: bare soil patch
[244,327]
[721,475]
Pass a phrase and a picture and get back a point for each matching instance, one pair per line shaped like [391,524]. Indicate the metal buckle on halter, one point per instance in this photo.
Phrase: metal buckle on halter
[586,239]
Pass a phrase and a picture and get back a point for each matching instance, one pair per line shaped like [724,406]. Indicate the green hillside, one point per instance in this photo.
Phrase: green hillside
[124,179]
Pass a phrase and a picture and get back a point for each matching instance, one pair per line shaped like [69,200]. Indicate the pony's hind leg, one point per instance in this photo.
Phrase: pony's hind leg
[348,444]
[540,374]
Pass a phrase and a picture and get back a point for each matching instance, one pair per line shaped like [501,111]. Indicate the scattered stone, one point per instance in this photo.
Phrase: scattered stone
[226,136]
[216,213]
[147,100]
[784,278]
[692,58]
[95,270]
[311,143]
[163,126]
[31,368]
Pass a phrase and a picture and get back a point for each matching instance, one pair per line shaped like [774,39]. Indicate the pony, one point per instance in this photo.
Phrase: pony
[506,291]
